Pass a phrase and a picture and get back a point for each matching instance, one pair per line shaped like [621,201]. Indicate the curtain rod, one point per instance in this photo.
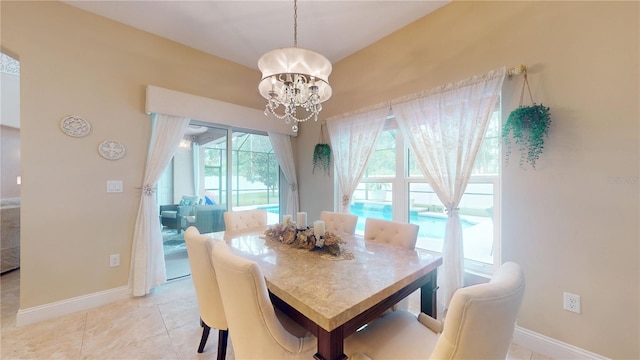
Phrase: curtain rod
[516,70]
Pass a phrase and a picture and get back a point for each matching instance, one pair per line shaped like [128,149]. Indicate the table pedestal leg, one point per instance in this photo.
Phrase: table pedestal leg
[428,295]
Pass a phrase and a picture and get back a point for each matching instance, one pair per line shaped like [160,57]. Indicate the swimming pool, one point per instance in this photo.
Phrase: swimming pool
[432,225]
[274,209]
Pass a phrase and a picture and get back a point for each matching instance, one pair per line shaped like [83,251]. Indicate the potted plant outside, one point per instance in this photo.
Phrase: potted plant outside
[378,191]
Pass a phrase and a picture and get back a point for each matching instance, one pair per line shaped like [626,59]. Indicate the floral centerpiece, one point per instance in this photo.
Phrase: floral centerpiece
[304,238]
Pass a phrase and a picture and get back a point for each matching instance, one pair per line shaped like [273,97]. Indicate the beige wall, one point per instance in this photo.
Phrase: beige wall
[73,62]
[572,223]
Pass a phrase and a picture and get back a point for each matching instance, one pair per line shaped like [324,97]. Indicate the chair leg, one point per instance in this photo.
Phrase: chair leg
[223,335]
[205,336]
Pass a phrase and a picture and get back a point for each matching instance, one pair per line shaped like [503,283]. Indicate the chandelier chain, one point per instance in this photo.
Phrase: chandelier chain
[295,23]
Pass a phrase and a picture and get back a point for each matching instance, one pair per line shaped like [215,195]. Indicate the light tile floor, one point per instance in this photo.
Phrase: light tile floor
[163,325]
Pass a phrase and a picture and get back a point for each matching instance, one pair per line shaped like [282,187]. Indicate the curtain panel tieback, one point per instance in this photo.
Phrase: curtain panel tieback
[147,189]
[450,209]
[293,187]
[345,200]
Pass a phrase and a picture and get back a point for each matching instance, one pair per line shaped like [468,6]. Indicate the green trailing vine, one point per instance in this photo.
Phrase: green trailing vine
[527,127]
[321,154]
[322,157]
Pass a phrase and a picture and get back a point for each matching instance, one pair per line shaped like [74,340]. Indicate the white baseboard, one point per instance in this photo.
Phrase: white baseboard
[68,306]
[550,347]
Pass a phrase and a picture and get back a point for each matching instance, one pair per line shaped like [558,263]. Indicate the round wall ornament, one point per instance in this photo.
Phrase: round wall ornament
[75,126]
[111,150]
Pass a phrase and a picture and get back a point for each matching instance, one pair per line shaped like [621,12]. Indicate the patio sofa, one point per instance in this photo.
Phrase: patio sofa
[170,215]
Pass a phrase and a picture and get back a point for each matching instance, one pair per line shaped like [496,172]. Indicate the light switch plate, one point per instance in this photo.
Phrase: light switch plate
[114,186]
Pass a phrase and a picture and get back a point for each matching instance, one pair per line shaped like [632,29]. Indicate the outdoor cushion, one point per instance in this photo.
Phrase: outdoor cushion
[169,214]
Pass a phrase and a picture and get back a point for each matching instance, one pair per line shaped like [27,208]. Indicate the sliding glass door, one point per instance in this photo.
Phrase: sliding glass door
[214,170]
[255,175]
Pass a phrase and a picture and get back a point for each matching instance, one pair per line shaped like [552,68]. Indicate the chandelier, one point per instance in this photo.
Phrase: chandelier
[295,81]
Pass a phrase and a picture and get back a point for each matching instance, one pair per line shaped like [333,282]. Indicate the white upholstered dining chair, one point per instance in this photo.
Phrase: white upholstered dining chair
[395,233]
[479,325]
[245,219]
[203,275]
[256,332]
[339,223]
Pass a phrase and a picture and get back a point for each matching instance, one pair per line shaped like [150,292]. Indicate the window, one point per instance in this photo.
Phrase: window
[393,188]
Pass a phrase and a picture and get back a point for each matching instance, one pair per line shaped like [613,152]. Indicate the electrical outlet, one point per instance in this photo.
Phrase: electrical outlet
[571,302]
[114,260]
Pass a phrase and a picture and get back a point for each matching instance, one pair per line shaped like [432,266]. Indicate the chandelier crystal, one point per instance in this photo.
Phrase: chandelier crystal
[295,79]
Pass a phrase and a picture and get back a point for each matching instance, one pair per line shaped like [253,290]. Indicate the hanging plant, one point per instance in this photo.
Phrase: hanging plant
[321,154]
[526,127]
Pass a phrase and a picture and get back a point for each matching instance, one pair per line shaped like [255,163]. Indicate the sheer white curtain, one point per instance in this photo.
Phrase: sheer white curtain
[353,138]
[445,128]
[281,144]
[147,257]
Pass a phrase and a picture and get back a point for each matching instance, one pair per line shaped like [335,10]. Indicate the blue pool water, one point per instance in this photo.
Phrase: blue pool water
[431,225]
[274,209]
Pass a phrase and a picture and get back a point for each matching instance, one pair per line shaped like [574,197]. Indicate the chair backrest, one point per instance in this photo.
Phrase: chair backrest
[245,219]
[209,218]
[481,318]
[204,279]
[256,332]
[339,222]
[391,232]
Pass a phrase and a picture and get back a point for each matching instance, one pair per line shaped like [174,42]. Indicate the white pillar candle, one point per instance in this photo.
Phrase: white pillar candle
[318,228]
[301,220]
[286,219]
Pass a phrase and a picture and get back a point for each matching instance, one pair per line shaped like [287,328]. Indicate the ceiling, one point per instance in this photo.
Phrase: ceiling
[241,31]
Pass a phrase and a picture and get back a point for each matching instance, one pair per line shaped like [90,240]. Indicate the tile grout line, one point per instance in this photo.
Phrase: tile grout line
[84,334]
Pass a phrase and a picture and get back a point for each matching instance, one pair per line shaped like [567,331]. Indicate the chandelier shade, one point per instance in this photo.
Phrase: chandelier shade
[294,60]
[294,78]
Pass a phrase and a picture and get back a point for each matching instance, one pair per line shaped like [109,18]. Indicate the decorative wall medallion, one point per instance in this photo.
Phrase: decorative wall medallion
[111,150]
[75,126]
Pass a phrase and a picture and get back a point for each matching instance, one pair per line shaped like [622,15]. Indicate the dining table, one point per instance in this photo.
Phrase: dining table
[332,296]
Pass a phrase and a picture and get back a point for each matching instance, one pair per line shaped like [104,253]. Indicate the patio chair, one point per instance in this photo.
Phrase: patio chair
[170,215]
[209,218]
